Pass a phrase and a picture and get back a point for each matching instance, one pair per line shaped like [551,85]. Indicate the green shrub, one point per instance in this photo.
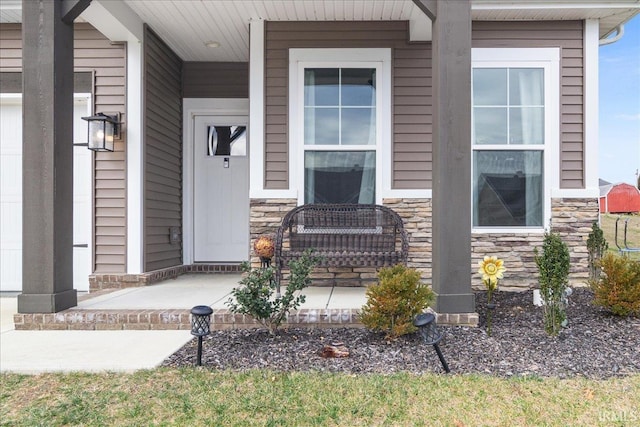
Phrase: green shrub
[596,246]
[619,287]
[395,300]
[553,266]
[257,294]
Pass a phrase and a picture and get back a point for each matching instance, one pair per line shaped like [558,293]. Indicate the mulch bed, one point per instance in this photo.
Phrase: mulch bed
[595,344]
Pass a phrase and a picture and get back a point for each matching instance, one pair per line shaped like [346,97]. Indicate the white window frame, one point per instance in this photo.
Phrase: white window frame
[549,60]
[380,59]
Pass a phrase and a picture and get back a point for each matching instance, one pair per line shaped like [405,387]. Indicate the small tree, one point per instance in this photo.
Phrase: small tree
[553,266]
[596,246]
[395,300]
[257,294]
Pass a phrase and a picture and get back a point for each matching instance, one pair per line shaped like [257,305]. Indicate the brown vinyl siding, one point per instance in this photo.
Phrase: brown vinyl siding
[411,86]
[163,153]
[215,79]
[412,117]
[11,47]
[568,36]
[106,61]
[411,92]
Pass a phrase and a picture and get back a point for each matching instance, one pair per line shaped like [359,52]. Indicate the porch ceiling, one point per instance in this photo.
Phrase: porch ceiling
[187,25]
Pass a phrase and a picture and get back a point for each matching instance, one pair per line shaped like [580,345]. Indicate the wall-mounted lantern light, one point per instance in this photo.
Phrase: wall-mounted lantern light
[103,129]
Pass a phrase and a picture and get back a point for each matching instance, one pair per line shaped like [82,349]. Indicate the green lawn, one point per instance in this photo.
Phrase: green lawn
[191,396]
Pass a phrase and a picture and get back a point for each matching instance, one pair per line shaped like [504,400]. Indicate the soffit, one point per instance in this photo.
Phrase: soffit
[186,25]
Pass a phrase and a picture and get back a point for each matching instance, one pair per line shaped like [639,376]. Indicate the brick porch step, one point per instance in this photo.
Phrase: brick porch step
[179,319]
[175,319]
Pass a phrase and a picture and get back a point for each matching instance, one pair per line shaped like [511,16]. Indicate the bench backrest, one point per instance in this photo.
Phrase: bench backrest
[342,228]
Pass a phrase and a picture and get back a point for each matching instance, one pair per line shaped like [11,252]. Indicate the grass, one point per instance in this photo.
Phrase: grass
[608,222]
[191,396]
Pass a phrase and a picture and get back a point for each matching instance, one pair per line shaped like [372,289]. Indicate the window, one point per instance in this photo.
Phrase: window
[339,113]
[336,97]
[511,135]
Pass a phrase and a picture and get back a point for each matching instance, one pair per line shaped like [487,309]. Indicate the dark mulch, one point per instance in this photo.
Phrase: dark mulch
[595,344]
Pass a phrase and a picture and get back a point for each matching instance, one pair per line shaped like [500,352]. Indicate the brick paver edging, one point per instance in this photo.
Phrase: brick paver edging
[179,319]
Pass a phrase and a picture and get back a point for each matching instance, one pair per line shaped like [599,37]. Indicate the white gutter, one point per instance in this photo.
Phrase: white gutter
[619,33]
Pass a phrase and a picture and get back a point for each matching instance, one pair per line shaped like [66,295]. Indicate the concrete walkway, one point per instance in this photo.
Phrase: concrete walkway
[35,352]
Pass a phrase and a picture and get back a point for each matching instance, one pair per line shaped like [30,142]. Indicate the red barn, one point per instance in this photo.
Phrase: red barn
[619,198]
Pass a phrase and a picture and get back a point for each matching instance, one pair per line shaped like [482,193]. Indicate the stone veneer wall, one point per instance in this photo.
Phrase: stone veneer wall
[266,216]
[571,218]
[416,215]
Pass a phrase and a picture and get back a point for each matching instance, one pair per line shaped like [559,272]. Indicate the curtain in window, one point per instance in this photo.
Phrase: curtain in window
[526,98]
[507,188]
[340,177]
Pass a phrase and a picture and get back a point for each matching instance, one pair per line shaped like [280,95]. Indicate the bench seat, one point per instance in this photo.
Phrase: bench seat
[342,235]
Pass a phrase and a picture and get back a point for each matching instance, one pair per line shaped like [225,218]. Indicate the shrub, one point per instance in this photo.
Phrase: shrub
[553,266]
[619,287]
[395,300]
[596,246]
[257,294]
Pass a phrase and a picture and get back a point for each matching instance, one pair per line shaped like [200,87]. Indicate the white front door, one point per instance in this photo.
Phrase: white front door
[11,195]
[221,189]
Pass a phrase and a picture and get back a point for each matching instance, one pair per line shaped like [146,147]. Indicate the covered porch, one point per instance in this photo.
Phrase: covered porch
[166,306]
[150,226]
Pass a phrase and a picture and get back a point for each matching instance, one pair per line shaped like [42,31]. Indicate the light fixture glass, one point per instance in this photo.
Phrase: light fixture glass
[102,131]
[212,44]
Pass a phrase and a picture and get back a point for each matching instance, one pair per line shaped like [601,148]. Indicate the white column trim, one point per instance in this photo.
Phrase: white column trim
[256,117]
[575,193]
[135,158]
[591,110]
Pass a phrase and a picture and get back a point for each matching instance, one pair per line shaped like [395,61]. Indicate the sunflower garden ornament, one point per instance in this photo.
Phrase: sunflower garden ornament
[491,269]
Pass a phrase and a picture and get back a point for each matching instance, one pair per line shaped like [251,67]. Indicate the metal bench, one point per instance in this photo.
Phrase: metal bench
[342,235]
[626,249]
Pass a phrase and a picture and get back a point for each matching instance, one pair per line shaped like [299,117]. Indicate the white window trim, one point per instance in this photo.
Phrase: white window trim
[549,60]
[299,59]
[591,112]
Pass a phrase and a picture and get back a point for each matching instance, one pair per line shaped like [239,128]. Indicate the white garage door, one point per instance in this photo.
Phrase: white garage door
[11,195]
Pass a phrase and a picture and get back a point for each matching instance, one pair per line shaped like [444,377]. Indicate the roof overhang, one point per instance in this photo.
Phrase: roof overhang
[187,26]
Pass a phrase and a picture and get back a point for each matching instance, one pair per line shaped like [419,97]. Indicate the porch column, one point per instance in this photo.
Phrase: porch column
[451,60]
[47,153]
